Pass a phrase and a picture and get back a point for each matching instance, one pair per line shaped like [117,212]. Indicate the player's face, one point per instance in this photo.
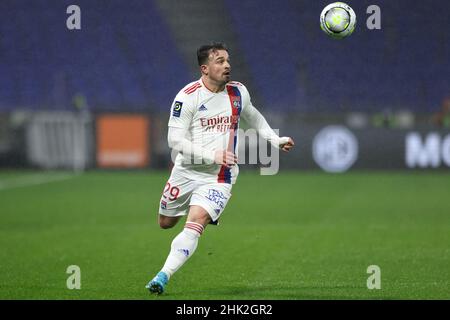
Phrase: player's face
[219,68]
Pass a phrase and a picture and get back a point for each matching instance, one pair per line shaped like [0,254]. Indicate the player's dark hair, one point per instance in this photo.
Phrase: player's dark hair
[204,51]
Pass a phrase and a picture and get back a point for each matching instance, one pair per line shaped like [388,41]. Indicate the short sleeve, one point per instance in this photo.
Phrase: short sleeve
[181,111]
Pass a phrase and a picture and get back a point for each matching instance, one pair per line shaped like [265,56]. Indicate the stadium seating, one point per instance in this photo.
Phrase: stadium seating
[402,66]
[125,58]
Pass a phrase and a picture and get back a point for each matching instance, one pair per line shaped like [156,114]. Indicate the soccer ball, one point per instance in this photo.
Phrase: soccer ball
[338,20]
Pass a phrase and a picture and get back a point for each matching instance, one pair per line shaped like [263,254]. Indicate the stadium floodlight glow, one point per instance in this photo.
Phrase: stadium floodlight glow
[338,20]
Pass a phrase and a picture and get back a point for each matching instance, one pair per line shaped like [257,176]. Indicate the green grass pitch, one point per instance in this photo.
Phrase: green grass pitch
[296,235]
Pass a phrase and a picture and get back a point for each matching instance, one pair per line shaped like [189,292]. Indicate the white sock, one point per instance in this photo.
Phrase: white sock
[182,248]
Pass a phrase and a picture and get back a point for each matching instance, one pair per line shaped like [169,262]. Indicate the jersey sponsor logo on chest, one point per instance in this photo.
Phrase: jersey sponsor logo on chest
[219,123]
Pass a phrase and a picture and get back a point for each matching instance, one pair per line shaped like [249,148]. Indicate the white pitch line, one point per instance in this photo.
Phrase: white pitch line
[33,180]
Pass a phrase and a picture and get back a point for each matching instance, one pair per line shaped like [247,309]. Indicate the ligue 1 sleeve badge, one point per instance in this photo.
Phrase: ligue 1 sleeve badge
[177,108]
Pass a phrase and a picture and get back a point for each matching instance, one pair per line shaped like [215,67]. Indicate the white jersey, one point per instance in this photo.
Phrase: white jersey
[211,120]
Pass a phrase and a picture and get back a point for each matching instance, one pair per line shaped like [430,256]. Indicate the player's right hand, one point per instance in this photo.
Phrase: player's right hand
[286,144]
[225,158]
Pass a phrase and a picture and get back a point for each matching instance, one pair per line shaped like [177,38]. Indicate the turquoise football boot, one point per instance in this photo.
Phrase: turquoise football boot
[157,284]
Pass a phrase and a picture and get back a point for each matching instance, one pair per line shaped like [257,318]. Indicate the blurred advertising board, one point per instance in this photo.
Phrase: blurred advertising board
[122,141]
[338,148]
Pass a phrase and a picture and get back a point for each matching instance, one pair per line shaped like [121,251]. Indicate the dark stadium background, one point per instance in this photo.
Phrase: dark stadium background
[84,156]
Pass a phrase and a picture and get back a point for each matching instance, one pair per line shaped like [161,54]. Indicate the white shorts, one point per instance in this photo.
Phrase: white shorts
[180,192]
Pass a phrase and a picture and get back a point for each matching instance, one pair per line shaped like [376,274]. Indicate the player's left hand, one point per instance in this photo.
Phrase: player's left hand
[286,144]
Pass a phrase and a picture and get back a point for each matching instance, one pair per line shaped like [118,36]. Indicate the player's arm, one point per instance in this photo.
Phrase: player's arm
[177,140]
[257,121]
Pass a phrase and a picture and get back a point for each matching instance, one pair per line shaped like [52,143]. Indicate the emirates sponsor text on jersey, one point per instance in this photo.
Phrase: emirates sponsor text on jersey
[219,123]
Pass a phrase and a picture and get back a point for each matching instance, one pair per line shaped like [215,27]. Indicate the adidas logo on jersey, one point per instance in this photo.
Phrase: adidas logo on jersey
[202,108]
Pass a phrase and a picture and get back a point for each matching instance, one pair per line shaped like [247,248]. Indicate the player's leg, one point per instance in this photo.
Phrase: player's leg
[206,205]
[166,222]
[185,243]
[174,204]
[182,247]
[199,215]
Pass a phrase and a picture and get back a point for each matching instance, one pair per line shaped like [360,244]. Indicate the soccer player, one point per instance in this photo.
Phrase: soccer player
[203,124]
